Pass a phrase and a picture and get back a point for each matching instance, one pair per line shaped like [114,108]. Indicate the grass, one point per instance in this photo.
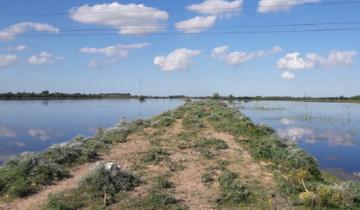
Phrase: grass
[96,191]
[208,146]
[233,192]
[155,155]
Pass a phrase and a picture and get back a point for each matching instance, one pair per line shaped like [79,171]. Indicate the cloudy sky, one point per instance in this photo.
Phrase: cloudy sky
[192,47]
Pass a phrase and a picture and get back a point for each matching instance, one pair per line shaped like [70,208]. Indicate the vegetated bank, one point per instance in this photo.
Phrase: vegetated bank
[202,155]
[47,95]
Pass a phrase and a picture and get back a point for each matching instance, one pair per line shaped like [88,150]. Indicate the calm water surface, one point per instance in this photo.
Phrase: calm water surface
[328,131]
[36,125]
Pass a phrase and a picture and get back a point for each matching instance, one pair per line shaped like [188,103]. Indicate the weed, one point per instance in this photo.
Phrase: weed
[155,155]
[233,192]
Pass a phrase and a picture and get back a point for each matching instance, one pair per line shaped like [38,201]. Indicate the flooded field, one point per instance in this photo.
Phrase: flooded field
[328,131]
[36,125]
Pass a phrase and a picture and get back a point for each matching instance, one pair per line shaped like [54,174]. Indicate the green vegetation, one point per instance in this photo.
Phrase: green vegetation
[155,155]
[96,191]
[207,146]
[233,192]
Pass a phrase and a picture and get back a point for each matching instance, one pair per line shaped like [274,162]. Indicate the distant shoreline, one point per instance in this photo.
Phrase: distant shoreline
[46,95]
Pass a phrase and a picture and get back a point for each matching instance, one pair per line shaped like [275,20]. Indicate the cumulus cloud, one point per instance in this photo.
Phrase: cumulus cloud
[180,59]
[294,61]
[7,60]
[41,134]
[43,58]
[113,53]
[236,58]
[217,7]
[11,32]
[196,24]
[127,18]
[6,132]
[281,5]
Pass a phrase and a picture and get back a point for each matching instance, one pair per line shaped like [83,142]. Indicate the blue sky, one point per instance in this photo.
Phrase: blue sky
[39,51]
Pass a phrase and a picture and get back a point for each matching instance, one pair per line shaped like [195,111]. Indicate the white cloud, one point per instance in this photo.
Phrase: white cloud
[294,61]
[196,24]
[180,59]
[7,60]
[127,18]
[237,57]
[287,75]
[43,58]
[18,48]
[39,134]
[280,5]
[114,53]
[119,50]
[217,7]
[6,132]
[12,31]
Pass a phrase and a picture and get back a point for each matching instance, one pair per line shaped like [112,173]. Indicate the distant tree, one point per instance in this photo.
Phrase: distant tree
[231,97]
[45,92]
[141,98]
[216,96]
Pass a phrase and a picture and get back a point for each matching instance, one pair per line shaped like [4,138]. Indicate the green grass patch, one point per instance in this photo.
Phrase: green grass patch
[233,192]
[155,155]
[97,190]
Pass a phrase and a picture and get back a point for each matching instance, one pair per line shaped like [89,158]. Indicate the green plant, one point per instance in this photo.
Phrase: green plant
[155,155]
[233,192]
[207,178]
[162,182]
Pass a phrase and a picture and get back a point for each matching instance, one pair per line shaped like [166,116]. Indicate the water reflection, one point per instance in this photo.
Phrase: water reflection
[6,132]
[328,131]
[36,125]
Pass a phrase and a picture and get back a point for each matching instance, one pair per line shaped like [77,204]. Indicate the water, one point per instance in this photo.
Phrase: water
[36,125]
[328,131]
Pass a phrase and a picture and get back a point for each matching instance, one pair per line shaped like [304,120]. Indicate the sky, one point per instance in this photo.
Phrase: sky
[190,47]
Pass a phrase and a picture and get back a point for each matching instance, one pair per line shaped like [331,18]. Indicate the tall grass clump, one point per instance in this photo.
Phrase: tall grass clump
[25,174]
[96,190]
